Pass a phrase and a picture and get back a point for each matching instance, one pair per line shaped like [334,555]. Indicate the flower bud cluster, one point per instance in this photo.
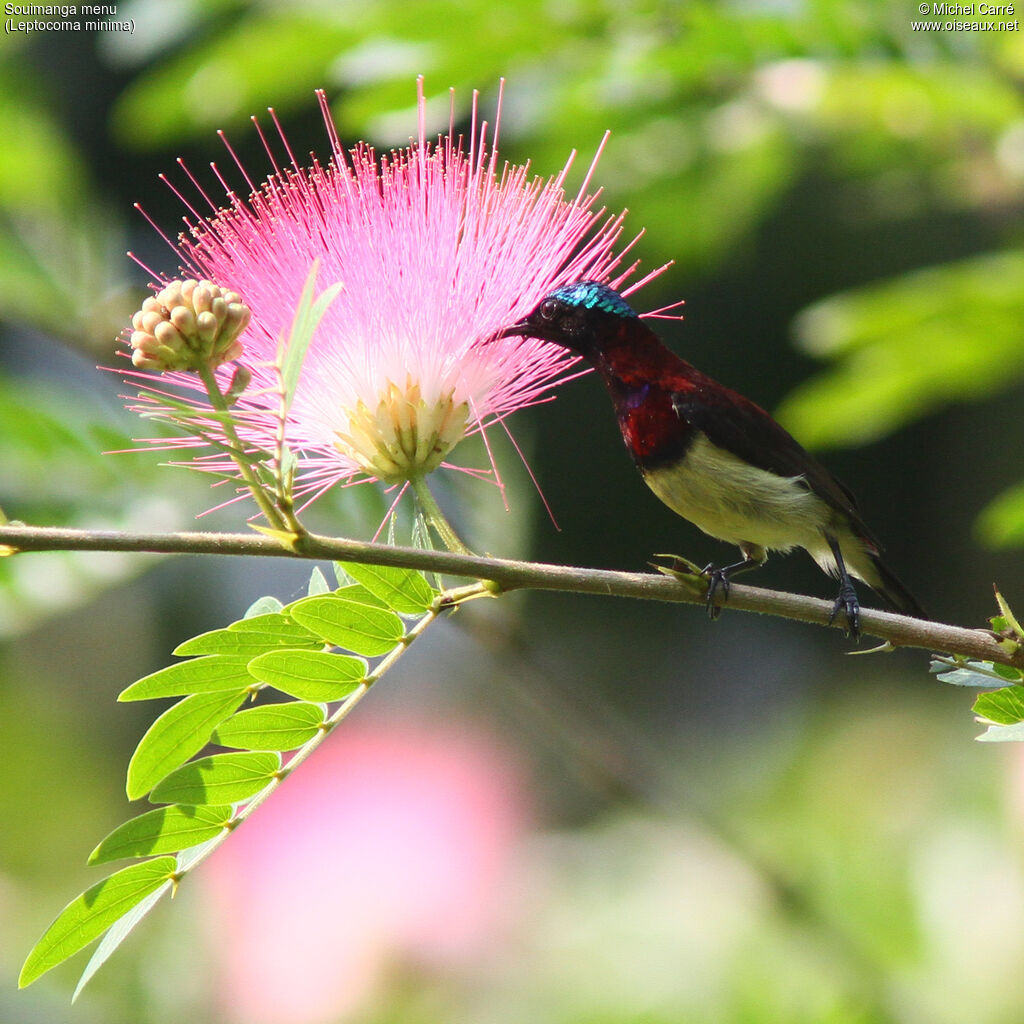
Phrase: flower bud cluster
[187,325]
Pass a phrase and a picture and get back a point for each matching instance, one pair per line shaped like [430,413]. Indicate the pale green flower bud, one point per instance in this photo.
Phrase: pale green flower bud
[187,325]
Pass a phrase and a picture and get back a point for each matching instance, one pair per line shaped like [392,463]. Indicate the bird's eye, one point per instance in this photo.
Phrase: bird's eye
[548,309]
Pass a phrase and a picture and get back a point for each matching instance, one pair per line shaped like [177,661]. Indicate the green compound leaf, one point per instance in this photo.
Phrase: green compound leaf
[1003,707]
[180,732]
[404,590]
[219,778]
[165,830]
[273,727]
[200,675]
[349,624]
[309,675]
[90,914]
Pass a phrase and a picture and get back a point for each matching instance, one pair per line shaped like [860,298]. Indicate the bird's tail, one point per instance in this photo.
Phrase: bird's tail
[888,586]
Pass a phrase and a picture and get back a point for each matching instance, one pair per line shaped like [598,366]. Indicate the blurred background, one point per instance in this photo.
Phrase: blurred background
[559,808]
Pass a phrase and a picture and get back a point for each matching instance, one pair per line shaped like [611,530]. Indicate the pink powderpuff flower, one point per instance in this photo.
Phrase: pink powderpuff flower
[435,248]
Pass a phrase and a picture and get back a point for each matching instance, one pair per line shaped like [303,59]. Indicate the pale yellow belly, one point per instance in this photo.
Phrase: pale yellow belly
[736,502]
[755,509]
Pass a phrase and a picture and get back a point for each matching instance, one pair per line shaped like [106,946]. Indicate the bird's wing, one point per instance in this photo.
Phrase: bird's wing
[736,424]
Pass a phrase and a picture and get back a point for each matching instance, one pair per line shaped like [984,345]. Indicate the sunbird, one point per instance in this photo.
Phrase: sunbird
[713,456]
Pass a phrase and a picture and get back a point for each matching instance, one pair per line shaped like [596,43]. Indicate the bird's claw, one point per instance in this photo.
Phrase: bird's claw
[847,603]
[718,580]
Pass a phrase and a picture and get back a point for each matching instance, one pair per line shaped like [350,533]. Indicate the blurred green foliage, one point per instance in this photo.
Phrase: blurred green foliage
[58,468]
[60,264]
[1002,522]
[908,346]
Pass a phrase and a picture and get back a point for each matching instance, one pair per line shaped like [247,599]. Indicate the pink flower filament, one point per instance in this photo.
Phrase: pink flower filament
[435,250]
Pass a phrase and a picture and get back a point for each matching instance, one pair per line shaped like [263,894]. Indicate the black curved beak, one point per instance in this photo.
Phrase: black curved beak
[530,328]
[518,330]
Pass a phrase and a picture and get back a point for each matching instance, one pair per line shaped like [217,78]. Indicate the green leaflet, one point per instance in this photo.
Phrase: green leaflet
[404,590]
[198,675]
[1003,733]
[349,624]
[969,677]
[982,675]
[180,732]
[272,624]
[317,583]
[1003,707]
[358,593]
[90,914]
[250,637]
[263,606]
[308,314]
[1010,620]
[1008,672]
[218,779]
[116,934]
[273,727]
[309,675]
[164,830]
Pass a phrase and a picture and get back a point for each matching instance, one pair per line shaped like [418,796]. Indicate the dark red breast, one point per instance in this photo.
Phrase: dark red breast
[642,376]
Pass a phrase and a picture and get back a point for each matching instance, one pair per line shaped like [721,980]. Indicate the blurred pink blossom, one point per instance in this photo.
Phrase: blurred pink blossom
[388,848]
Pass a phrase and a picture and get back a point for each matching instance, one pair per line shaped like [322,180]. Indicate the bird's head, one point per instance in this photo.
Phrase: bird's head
[576,316]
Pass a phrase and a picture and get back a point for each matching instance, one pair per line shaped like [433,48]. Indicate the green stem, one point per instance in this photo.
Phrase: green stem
[284,480]
[435,517]
[219,402]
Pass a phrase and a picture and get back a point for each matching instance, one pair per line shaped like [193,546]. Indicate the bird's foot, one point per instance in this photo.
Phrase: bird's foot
[718,582]
[848,604]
